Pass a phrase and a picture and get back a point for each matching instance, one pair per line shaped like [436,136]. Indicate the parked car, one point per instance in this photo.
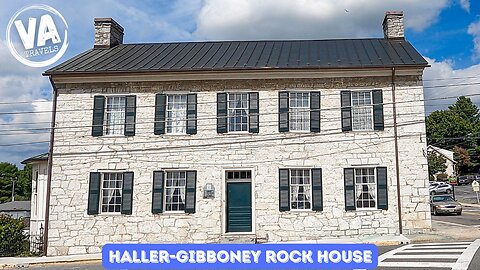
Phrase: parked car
[442,187]
[464,180]
[444,204]
[477,177]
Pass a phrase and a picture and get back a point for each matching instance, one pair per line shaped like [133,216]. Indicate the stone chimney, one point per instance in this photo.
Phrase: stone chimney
[108,33]
[393,25]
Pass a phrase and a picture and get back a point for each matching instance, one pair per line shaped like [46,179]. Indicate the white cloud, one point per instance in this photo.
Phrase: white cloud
[465,4]
[441,74]
[274,19]
[474,30]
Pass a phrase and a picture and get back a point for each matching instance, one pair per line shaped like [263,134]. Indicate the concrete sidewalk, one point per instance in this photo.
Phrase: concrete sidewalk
[11,262]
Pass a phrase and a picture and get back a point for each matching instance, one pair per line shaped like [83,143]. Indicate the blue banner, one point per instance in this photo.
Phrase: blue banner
[239,256]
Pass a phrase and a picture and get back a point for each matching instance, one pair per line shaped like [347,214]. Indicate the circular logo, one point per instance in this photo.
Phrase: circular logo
[37,35]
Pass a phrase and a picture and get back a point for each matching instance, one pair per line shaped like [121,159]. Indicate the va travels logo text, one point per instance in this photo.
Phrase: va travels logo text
[37,35]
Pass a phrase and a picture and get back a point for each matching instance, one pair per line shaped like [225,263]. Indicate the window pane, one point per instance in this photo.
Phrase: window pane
[115,115]
[300,189]
[176,115]
[299,111]
[175,191]
[238,112]
[111,192]
[362,110]
[365,188]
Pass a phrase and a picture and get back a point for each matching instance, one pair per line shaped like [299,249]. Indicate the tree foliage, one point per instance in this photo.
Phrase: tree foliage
[23,183]
[436,163]
[458,126]
[13,241]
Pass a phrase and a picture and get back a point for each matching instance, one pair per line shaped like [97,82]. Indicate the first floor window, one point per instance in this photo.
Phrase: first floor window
[299,112]
[176,114]
[362,110]
[111,192]
[115,115]
[365,188]
[237,112]
[175,183]
[300,189]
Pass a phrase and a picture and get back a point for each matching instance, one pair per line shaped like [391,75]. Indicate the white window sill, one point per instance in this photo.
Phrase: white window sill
[106,214]
[301,210]
[113,136]
[238,233]
[175,213]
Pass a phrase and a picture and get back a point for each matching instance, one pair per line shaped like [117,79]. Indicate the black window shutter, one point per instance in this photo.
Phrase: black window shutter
[315,111]
[222,113]
[317,192]
[283,125]
[127,193]
[192,114]
[377,109]
[157,193]
[94,193]
[98,114]
[382,188]
[346,102]
[130,111]
[284,189]
[253,112]
[159,126]
[190,191]
[349,180]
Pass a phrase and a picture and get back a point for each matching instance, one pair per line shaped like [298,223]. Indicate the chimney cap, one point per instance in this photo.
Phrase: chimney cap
[108,20]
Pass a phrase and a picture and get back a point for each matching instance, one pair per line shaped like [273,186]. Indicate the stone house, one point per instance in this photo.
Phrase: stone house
[245,141]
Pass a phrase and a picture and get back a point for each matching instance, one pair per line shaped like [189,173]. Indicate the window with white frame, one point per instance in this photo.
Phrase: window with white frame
[176,118]
[238,112]
[111,201]
[115,115]
[299,111]
[300,189]
[362,110]
[175,183]
[365,188]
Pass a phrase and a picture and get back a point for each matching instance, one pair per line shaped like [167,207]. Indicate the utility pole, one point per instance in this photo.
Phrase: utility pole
[13,188]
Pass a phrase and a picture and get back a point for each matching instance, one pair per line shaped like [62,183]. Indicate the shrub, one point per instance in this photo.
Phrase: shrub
[442,177]
[13,240]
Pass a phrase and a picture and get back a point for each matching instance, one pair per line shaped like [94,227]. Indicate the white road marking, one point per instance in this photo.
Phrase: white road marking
[417,264]
[464,255]
[467,256]
[451,223]
[444,244]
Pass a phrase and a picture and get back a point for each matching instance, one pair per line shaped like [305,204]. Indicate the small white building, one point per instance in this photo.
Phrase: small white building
[449,159]
[207,142]
[39,192]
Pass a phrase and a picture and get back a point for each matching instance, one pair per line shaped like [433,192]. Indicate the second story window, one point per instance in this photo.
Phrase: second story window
[237,112]
[176,114]
[299,111]
[362,110]
[115,115]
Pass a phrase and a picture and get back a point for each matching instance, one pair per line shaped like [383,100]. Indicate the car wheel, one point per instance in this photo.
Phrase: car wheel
[459,213]
[435,212]
[432,193]
[449,191]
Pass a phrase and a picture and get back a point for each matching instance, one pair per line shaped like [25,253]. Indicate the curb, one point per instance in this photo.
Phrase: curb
[28,261]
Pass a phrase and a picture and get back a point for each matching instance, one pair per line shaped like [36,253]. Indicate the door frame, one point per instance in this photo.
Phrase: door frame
[224,200]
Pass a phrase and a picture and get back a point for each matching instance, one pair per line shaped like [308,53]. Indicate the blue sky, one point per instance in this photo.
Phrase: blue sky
[445,32]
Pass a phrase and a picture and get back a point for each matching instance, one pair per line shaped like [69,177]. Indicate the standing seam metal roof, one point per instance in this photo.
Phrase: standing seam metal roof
[245,55]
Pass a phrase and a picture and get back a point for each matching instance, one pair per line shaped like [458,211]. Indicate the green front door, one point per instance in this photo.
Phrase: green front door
[239,207]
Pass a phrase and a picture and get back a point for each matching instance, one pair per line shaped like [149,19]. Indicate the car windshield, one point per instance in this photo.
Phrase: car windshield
[442,199]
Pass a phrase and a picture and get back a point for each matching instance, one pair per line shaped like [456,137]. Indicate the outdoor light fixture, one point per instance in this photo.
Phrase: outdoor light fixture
[209,191]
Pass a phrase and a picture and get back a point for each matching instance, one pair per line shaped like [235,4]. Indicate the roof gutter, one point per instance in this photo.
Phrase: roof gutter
[49,169]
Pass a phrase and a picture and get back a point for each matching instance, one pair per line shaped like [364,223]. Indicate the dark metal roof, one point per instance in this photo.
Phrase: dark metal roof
[245,55]
[41,157]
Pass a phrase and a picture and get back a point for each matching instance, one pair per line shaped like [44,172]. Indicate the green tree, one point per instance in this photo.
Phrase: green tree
[465,108]
[447,128]
[13,241]
[436,164]
[23,182]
